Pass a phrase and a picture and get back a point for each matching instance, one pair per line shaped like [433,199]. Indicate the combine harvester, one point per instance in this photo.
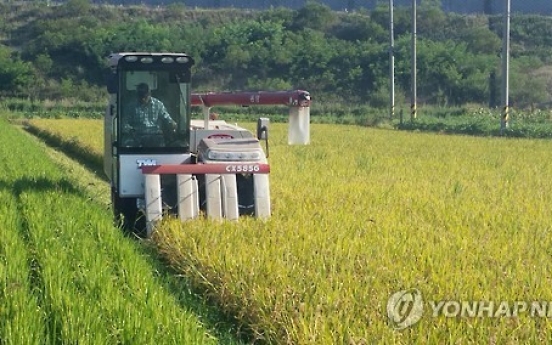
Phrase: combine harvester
[184,166]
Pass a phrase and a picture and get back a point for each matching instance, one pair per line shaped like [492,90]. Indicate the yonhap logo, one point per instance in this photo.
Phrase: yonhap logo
[405,308]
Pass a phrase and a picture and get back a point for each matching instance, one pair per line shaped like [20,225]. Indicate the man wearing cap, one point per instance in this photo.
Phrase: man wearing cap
[148,119]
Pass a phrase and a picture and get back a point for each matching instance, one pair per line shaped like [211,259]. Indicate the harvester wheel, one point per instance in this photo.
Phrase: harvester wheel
[127,215]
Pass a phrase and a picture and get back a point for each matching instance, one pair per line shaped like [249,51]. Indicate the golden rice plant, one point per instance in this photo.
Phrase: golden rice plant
[360,214]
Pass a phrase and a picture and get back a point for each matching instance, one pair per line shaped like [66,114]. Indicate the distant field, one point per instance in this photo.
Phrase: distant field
[361,214]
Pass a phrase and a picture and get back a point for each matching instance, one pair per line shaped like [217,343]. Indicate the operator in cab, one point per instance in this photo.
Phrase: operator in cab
[146,122]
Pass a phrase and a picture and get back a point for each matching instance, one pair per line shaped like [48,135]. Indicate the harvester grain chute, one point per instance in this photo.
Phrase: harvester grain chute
[159,161]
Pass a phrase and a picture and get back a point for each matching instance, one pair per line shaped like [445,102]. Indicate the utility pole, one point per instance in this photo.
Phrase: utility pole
[391,62]
[505,118]
[488,10]
[413,114]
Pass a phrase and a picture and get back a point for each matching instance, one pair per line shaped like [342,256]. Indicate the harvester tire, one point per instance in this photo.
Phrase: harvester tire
[127,215]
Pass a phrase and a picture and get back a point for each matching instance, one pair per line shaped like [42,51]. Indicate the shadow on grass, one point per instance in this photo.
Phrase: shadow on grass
[35,270]
[90,160]
[223,325]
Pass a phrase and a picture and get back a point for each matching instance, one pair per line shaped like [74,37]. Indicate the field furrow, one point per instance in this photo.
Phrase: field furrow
[68,276]
[21,317]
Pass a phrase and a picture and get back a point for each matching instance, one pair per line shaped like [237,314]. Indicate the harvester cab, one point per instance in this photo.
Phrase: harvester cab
[159,161]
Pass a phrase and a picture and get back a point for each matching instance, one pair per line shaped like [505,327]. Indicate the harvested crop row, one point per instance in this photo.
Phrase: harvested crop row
[21,320]
[97,288]
[89,284]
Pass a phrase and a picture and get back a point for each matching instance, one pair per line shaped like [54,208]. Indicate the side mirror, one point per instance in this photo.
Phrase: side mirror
[180,77]
[262,128]
[262,131]
[111,82]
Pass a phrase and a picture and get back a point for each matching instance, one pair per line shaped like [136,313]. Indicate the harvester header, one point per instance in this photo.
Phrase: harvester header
[295,98]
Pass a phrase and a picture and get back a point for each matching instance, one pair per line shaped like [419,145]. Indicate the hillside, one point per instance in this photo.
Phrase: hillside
[458,6]
[59,51]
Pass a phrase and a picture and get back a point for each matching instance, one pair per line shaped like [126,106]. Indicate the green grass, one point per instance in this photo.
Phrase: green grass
[68,276]
[481,122]
[21,319]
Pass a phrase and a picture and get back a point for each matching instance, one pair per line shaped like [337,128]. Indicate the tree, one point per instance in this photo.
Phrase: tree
[76,8]
[431,4]
[402,18]
[15,74]
[314,16]
[431,20]
[356,27]
[482,40]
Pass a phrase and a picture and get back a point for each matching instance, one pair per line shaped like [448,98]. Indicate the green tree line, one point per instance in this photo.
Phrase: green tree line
[59,51]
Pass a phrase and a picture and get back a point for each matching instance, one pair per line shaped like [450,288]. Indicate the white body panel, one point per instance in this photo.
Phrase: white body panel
[213,196]
[154,211]
[131,182]
[188,197]
[229,197]
[299,126]
[262,196]
[216,127]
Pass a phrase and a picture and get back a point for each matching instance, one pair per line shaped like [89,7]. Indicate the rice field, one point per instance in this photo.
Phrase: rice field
[361,214]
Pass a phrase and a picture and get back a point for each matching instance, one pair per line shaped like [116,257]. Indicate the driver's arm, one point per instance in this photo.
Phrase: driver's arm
[164,114]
